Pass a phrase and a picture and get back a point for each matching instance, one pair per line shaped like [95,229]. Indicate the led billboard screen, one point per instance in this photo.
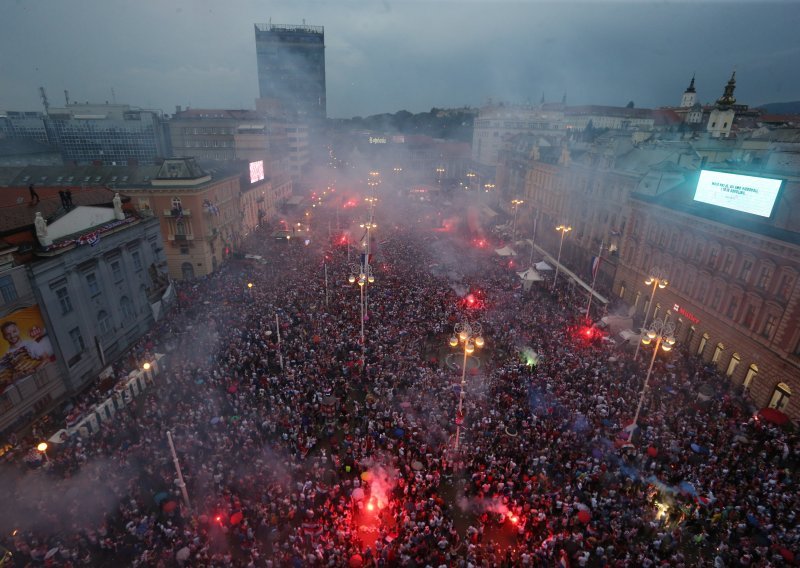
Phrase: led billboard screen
[256,171]
[748,194]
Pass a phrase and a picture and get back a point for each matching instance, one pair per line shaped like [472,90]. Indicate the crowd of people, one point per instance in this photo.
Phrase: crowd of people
[299,445]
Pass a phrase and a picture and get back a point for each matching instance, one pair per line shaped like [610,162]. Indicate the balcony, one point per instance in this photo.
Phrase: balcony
[180,237]
[177,212]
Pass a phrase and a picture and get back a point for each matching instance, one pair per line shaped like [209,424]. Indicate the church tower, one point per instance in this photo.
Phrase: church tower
[721,118]
[689,96]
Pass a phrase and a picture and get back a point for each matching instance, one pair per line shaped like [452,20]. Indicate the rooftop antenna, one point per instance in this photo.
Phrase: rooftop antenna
[113,96]
[66,96]
[45,102]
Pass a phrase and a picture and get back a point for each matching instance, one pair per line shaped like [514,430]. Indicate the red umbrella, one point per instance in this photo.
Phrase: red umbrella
[787,554]
[236,518]
[169,506]
[652,451]
[773,416]
[584,516]
[356,561]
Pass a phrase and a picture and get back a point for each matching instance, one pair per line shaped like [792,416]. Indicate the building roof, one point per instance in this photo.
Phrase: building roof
[600,110]
[17,212]
[666,117]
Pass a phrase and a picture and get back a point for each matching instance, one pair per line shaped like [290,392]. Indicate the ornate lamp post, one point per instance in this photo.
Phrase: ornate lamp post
[657,278]
[661,332]
[363,275]
[468,334]
[563,229]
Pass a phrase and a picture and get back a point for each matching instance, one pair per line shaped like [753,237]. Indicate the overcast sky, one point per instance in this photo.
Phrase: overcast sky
[385,56]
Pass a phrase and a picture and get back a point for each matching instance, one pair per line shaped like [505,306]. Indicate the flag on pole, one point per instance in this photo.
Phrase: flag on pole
[595,266]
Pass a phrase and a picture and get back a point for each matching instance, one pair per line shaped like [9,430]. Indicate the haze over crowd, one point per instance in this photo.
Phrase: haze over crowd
[387,56]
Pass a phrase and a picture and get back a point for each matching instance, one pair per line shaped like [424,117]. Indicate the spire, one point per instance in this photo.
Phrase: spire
[690,89]
[727,98]
[542,101]
[564,98]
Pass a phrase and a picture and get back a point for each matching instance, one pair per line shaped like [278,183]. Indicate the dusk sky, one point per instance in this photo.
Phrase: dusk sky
[385,56]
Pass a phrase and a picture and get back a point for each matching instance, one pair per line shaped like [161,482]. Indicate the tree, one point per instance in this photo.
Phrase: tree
[629,105]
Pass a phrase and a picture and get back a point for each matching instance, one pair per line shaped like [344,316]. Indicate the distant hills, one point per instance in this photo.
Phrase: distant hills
[782,108]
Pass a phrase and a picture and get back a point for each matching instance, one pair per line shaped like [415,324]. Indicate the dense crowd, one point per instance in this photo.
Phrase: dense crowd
[302,447]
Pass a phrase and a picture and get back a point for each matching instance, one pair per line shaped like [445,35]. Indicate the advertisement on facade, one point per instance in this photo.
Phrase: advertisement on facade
[25,345]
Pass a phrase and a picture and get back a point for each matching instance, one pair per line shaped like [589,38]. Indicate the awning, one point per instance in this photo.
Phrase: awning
[542,266]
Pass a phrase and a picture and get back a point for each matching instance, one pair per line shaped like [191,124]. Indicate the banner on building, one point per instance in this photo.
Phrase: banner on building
[25,345]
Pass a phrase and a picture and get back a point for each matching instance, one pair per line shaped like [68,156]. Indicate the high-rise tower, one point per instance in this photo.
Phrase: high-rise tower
[291,68]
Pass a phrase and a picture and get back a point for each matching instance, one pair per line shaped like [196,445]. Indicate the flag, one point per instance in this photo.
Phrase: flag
[595,266]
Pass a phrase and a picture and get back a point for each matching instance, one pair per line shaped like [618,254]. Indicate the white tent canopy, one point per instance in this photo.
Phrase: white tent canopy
[506,251]
[543,266]
[530,275]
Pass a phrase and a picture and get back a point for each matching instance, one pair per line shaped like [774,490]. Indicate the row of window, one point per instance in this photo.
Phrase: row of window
[205,143]
[209,130]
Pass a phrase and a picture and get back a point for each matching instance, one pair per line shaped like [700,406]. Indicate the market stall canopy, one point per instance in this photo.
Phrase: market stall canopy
[542,265]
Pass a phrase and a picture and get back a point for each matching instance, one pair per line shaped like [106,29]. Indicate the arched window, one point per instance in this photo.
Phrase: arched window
[732,364]
[104,322]
[187,271]
[780,397]
[751,374]
[180,228]
[717,353]
[702,346]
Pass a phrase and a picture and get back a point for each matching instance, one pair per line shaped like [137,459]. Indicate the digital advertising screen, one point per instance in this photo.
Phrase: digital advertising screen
[748,194]
[256,171]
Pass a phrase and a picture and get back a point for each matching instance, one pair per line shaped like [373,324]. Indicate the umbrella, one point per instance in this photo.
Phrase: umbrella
[215,420]
[183,554]
[584,516]
[358,494]
[787,554]
[159,497]
[751,519]
[356,561]
[169,506]
[773,416]
[399,432]
[366,476]
[50,553]
[405,404]
[652,451]
[416,465]
[236,518]
[700,449]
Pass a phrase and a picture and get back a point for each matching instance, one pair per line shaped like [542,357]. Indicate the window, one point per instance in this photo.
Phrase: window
[92,284]
[712,258]
[780,398]
[702,346]
[7,289]
[716,299]
[747,268]
[728,264]
[749,316]
[137,260]
[104,322]
[769,326]
[764,277]
[701,292]
[751,374]
[116,271]
[180,228]
[785,289]
[732,305]
[127,308]
[77,340]
[184,249]
[690,335]
[732,364]
[698,252]
[63,299]
[717,353]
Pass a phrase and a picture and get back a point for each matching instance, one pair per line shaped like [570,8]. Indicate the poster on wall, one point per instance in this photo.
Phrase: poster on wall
[25,345]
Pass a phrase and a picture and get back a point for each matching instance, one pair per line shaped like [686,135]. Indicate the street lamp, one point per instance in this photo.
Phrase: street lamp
[658,279]
[563,229]
[362,275]
[487,187]
[515,203]
[469,334]
[661,331]
[471,176]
